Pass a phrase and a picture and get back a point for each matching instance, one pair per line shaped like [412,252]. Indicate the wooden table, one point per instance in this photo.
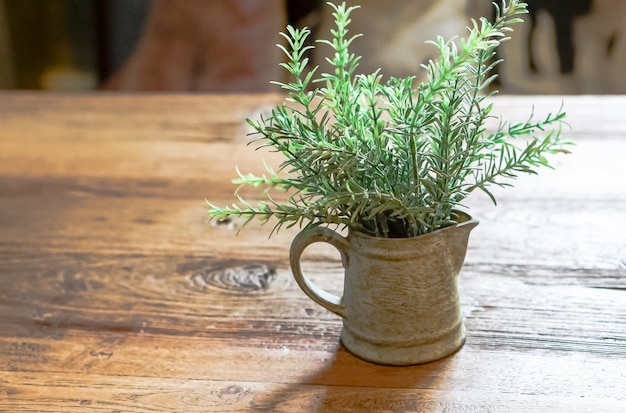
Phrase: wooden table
[116,295]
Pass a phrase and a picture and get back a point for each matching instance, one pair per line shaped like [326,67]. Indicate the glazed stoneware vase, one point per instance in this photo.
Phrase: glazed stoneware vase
[400,303]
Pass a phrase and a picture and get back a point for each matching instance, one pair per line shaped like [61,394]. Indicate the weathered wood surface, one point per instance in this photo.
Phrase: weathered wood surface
[116,295]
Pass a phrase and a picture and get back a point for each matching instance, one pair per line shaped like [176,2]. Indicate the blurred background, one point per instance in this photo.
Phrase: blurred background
[565,47]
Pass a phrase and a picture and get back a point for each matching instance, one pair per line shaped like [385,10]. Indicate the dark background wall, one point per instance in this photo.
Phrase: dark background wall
[85,39]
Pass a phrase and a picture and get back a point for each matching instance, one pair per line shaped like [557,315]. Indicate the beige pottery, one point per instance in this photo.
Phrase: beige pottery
[400,303]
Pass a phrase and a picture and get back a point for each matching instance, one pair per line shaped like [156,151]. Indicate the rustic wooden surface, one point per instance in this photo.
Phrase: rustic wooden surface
[116,295]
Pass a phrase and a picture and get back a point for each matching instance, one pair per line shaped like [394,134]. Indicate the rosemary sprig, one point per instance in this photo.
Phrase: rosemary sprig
[390,158]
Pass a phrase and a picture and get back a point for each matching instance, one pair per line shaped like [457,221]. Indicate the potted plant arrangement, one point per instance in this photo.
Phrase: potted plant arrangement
[392,162]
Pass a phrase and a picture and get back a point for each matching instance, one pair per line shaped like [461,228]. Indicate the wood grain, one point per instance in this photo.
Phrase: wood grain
[117,295]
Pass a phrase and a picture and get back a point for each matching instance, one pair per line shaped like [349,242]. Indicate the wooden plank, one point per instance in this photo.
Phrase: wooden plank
[128,217]
[79,393]
[178,298]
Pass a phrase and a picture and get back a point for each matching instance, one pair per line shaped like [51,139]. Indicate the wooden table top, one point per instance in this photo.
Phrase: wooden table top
[117,295]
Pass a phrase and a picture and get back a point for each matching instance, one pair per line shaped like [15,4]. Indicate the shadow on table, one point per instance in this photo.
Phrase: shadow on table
[349,384]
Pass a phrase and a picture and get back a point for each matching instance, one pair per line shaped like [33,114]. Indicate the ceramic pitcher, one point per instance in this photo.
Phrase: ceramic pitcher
[400,302]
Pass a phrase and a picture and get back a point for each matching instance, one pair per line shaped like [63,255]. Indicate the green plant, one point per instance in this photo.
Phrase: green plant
[388,158]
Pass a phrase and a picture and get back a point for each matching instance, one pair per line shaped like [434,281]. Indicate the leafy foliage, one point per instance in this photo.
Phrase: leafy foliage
[389,158]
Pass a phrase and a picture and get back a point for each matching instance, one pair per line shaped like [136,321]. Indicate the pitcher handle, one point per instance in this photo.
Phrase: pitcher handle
[305,238]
